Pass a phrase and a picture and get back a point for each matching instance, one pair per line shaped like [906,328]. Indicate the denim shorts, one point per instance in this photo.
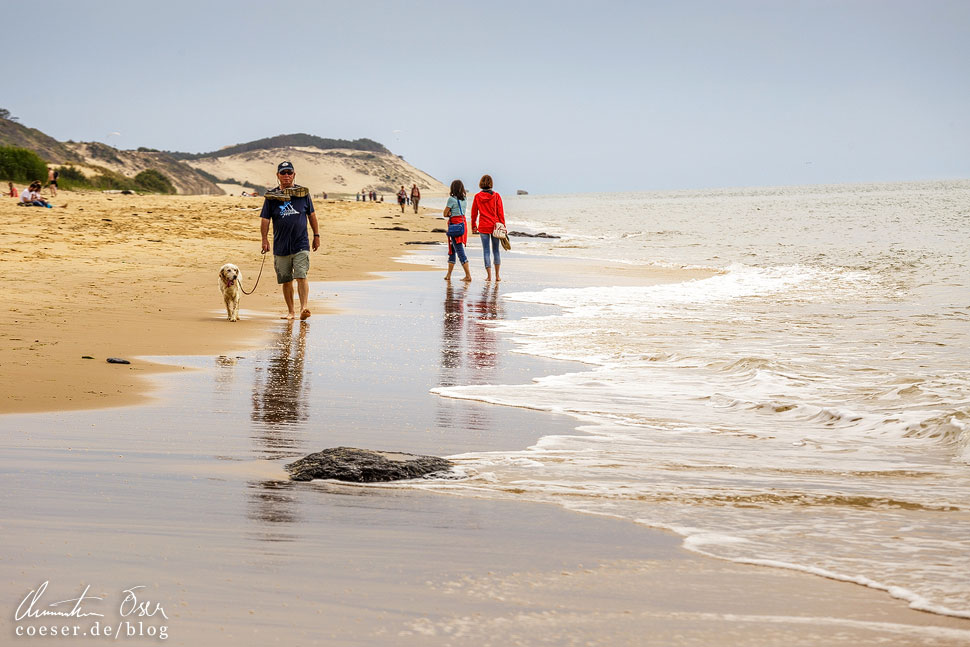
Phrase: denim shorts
[294,266]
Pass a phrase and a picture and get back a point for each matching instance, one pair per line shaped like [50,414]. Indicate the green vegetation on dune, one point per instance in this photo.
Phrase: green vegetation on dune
[72,179]
[152,180]
[148,181]
[284,141]
[21,165]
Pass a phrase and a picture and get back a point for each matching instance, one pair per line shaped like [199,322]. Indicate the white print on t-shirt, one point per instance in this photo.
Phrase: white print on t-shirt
[287,210]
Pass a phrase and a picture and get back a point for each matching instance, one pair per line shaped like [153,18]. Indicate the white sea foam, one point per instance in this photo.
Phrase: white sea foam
[808,408]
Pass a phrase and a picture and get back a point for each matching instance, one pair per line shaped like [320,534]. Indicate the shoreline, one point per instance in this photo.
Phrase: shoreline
[216,531]
[135,276]
[510,569]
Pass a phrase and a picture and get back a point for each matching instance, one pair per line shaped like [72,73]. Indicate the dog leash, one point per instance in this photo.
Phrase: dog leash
[257,277]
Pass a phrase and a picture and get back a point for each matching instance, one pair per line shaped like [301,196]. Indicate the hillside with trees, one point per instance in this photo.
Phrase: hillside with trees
[289,141]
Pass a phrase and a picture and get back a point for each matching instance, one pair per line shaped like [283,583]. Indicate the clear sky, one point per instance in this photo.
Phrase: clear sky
[552,97]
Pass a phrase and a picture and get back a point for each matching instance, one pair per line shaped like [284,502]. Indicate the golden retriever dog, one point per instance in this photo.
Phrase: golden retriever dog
[229,277]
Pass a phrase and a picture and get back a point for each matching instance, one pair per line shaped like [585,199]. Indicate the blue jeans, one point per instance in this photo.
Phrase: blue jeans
[454,249]
[496,246]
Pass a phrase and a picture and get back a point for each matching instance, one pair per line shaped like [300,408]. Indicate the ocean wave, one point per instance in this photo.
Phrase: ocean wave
[738,282]
[947,427]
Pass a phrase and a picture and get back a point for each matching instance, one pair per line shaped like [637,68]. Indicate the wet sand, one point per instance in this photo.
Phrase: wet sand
[186,495]
[124,276]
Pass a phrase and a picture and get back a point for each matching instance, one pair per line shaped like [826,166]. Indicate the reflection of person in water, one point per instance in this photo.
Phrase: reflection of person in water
[280,390]
[272,502]
[483,351]
[452,332]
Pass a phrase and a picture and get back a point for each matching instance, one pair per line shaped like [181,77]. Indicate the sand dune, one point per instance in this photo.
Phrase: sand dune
[333,171]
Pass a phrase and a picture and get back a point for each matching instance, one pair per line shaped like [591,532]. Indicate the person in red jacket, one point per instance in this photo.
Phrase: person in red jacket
[488,205]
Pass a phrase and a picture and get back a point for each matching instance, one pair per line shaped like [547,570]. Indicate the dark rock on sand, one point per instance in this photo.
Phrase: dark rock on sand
[522,234]
[439,230]
[424,242]
[364,465]
[394,228]
[117,360]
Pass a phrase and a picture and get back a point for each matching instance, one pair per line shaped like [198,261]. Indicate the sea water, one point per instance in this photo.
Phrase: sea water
[808,406]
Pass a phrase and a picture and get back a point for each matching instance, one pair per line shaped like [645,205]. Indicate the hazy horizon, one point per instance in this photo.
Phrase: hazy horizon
[549,97]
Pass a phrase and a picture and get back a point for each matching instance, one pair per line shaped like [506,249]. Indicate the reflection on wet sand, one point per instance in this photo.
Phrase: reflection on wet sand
[280,405]
[451,332]
[483,347]
[281,394]
[272,503]
[469,352]
[225,375]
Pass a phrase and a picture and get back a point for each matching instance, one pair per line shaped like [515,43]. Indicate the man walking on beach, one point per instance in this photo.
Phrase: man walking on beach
[289,207]
[415,196]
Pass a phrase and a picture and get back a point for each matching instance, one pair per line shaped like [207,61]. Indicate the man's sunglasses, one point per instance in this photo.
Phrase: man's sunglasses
[286,172]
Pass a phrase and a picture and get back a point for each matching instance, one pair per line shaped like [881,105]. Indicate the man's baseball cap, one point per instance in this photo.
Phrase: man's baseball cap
[284,166]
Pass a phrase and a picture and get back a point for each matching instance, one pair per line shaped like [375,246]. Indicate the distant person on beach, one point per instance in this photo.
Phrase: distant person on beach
[454,213]
[52,181]
[415,196]
[402,196]
[487,210]
[12,191]
[289,207]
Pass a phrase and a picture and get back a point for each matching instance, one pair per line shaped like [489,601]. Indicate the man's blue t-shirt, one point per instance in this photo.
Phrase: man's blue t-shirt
[289,224]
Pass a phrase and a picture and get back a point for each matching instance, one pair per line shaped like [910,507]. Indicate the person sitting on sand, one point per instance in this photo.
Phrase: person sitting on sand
[415,196]
[31,196]
[455,213]
[289,207]
[12,191]
[402,197]
[488,205]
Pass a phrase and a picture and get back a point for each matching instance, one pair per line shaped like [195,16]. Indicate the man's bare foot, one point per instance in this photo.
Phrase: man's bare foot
[289,316]
[497,279]
[466,278]
[305,314]
[448,277]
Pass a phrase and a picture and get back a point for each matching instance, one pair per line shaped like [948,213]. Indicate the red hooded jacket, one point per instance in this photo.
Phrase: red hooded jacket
[488,205]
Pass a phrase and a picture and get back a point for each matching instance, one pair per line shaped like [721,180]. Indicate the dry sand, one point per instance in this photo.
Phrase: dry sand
[126,276]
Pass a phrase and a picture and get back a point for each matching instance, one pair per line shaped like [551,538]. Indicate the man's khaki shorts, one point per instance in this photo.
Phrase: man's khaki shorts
[294,266]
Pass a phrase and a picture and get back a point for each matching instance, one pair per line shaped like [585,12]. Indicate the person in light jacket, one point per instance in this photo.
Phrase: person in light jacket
[454,213]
